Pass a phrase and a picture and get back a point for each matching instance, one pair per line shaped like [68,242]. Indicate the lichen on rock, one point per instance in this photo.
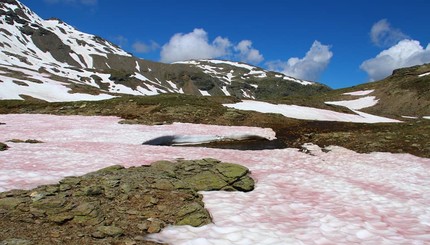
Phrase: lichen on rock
[117,204]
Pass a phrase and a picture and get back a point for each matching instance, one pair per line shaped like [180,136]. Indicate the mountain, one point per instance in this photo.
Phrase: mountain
[404,94]
[51,60]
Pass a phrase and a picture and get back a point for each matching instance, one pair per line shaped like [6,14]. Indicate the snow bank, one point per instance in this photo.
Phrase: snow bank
[360,93]
[339,197]
[425,74]
[356,104]
[308,113]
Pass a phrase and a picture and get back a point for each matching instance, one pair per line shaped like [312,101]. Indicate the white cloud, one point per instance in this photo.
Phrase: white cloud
[194,45]
[309,67]
[141,47]
[383,35]
[247,53]
[405,53]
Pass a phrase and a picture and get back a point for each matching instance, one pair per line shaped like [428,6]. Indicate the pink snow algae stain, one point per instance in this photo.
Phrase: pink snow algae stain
[339,197]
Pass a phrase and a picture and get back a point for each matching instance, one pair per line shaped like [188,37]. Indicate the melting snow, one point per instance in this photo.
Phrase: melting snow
[204,92]
[339,197]
[302,82]
[356,104]
[425,74]
[360,93]
[225,91]
[308,113]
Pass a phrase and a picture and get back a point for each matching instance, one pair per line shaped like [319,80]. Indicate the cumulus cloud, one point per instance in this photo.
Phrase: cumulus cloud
[248,54]
[403,54]
[309,67]
[383,35]
[194,45]
[84,2]
[141,47]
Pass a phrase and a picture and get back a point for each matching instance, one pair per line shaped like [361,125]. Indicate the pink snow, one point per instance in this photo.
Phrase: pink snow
[339,197]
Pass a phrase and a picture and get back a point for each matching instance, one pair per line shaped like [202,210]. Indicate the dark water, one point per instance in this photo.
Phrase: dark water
[249,144]
[260,144]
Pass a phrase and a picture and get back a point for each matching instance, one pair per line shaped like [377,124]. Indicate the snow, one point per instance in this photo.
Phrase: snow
[204,93]
[339,197]
[409,117]
[425,74]
[140,76]
[360,93]
[232,63]
[302,82]
[308,113]
[230,76]
[356,104]
[426,117]
[225,91]
[137,66]
[51,91]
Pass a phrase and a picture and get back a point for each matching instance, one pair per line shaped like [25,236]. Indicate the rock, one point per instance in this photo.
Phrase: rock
[15,241]
[245,184]
[206,181]
[29,141]
[118,204]
[231,171]
[112,231]
[60,218]
[10,203]
[155,226]
[3,146]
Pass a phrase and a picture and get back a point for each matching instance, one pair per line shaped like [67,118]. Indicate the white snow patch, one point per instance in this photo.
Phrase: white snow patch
[137,66]
[360,93]
[308,113]
[225,91]
[426,117]
[302,82]
[425,74]
[141,77]
[48,90]
[356,104]
[232,63]
[204,92]
[409,117]
[254,85]
[190,62]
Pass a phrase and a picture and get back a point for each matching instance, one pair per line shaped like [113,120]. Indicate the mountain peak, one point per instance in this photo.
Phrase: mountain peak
[51,60]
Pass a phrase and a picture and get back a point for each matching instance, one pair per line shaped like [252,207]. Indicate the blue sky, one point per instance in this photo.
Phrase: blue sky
[338,43]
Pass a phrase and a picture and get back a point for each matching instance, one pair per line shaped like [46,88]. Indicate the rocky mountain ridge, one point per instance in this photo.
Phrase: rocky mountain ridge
[52,61]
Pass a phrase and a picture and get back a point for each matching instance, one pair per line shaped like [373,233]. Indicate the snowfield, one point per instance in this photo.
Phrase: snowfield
[339,197]
[309,113]
[356,104]
[360,93]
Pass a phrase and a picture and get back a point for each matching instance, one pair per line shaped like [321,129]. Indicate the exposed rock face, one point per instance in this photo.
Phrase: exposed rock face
[115,204]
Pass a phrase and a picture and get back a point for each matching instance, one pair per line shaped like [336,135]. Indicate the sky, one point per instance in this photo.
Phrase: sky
[338,43]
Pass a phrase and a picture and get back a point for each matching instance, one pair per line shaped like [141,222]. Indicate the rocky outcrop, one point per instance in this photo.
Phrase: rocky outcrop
[117,205]
[3,146]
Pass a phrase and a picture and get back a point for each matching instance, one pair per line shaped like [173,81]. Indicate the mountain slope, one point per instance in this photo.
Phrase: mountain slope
[50,60]
[406,93]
